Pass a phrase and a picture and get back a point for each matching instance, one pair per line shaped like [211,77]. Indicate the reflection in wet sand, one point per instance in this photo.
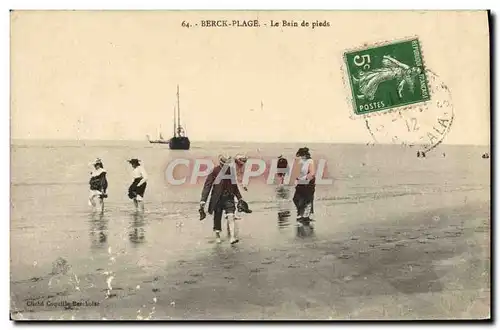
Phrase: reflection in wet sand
[283,219]
[98,230]
[137,234]
[282,197]
[303,229]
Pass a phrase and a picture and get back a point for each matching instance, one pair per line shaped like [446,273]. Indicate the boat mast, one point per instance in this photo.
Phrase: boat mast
[178,109]
[175,128]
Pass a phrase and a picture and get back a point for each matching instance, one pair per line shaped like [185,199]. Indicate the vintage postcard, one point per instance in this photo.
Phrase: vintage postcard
[250,165]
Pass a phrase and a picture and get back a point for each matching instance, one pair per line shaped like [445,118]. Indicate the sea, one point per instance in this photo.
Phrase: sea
[52,221]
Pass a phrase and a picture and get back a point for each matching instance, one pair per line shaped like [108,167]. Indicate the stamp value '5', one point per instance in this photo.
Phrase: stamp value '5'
[386,76]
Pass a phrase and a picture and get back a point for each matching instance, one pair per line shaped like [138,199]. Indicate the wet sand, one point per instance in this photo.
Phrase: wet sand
[410,257]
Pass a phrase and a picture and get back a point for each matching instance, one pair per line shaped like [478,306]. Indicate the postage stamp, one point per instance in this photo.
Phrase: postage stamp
[386,76]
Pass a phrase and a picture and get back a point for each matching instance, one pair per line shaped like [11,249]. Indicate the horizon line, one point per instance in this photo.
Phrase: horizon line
[239,141]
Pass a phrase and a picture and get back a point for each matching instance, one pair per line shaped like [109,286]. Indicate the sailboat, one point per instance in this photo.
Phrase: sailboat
[179,141]
[160,139]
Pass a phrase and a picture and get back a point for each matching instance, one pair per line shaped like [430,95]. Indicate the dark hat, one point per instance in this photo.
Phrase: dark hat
[243,206]
[134,161]
[282,162]
[302,152]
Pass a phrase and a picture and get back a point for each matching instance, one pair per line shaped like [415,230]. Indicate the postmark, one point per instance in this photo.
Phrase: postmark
[386,76]
[424,126]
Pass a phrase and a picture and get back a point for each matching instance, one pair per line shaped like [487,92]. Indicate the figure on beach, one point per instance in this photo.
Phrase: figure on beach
[305,186]
[421,154]
[282,192]
[239,161]
[98,186]
[282,169]
[223,190]
[391,69]
[139,183]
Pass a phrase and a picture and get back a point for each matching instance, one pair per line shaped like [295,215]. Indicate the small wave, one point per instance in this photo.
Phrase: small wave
[48,183]
[367,196]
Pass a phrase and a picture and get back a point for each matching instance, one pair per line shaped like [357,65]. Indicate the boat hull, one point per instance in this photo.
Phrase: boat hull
[179,143]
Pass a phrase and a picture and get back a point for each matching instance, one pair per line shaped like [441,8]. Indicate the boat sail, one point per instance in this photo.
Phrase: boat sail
[160,139]
[179,141]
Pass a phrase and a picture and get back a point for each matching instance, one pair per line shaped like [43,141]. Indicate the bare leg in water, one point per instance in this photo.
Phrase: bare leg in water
[100,202]
[139,204]
[232,227]
[97,203]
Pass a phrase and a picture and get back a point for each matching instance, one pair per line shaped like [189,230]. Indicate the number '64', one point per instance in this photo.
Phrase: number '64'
[362,61]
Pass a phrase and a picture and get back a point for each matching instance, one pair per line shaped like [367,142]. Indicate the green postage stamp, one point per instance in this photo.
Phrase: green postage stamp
[387,76]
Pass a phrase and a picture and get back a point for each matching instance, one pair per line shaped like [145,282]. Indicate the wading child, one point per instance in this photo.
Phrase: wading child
[282,190]
[98,186]
[139,183]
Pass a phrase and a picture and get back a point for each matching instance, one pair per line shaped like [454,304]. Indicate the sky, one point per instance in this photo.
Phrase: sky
[113,75]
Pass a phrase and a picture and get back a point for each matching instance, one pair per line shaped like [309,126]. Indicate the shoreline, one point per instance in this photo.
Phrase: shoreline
[430,262]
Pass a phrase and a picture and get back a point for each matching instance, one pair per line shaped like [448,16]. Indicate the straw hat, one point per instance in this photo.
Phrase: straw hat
[224,159]
[240,158]
[98,161]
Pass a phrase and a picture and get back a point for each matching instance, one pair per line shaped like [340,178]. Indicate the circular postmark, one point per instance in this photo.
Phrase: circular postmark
[423,125]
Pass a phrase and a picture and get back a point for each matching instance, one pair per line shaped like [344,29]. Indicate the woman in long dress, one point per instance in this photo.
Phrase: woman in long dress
[305,187]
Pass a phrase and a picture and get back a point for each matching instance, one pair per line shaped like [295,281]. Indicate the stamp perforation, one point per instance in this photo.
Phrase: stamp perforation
[384,112]
[438,95]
